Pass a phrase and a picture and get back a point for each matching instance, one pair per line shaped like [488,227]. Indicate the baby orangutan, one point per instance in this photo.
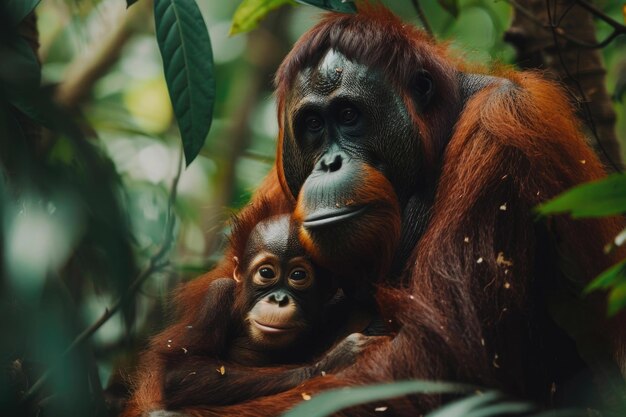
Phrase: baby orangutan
[276,310]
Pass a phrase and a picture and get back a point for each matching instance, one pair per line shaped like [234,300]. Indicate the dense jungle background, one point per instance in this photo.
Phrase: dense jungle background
[110,196]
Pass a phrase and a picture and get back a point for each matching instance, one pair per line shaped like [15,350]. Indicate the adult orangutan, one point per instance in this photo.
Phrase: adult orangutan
[380,126]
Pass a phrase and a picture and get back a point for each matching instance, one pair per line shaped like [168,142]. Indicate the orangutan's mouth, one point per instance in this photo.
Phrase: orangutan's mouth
[327,217]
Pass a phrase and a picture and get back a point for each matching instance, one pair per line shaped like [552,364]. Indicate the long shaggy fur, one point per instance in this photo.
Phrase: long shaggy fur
[471,293]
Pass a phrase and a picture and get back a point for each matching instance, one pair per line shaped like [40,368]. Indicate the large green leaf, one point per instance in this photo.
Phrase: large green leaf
[17,10]
[342,6]
[251,12]
[188,62]
[595,199]
[489,404]
[332,401]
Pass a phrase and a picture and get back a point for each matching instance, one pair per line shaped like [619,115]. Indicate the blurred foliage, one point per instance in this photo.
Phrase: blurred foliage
[473,402]
[250,12]
[84,202]
[606,197]
[595,199]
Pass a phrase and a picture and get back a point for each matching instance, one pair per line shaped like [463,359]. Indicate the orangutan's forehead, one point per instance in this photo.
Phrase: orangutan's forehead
[333,74]
[277,235]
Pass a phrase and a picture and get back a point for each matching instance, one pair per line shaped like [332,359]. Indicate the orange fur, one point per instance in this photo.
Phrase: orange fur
[470,280]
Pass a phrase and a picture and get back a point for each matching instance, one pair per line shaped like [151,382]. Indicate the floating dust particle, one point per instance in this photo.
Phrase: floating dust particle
[323,373]
[185,350]
[338,70]
[495,361]
[479,260]
[411,297]
[169,340]
[501,260]
[466,239]
[305,396]
[506,272]
[337,205]
[169,346]
[349,203]
[503,207]
[380,409]
[582,161]
[553,388]
[221,370]
[507,285]
[620,238]
[538,192]
[482,341]
[505,176]
[190,327]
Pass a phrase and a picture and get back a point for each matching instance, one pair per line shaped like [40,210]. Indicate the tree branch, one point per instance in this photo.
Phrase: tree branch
[618,29]
[85,71]
[615,165]
[541,32]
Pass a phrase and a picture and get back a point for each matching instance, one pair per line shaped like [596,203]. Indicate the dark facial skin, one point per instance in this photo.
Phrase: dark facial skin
[341,115]
[351,156]
[284,291]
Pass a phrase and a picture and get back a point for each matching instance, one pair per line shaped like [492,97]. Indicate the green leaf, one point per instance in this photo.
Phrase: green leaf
[595,199]
[617,299]
[341,6]
[189,72]
[451,6]
[615,279]
[332,401]
[481,405]
[610,277]
[17,10]
[564,412]
[130,3]
[251,12]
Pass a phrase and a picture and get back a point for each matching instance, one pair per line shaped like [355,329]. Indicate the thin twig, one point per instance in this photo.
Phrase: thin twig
[583,102]
[156,263]
[422,17]
[601,15]
[618,29]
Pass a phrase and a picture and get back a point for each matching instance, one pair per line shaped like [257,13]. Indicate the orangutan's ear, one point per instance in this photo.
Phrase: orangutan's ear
[236,275]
